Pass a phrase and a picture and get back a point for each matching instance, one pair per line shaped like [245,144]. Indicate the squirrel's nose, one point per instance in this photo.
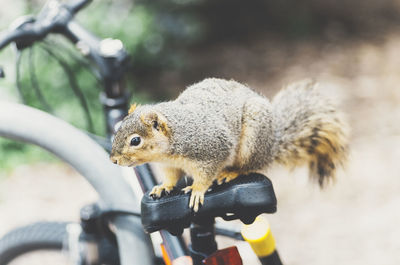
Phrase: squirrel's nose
[114,160]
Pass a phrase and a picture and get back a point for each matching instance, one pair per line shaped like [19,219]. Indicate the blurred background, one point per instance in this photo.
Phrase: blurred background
[352,48]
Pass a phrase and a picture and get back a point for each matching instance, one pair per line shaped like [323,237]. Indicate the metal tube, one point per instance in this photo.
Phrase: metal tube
[174,245]
[202,235]
[88,158]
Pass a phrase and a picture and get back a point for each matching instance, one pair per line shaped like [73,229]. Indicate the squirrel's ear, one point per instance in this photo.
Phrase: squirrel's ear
[155,120]
[132,108]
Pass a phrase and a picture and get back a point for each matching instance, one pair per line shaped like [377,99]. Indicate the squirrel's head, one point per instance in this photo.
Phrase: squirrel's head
[142,137]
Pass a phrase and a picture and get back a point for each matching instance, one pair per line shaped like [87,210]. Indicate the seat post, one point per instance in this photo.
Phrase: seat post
[202,235]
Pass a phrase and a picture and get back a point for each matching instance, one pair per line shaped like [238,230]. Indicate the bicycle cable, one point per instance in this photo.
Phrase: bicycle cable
[18,76]
[104,142]
[73,84]
[95,73]
[35,83]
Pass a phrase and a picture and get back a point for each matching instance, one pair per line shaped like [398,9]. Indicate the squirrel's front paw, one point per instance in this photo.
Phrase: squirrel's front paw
[157,191]
[196,198]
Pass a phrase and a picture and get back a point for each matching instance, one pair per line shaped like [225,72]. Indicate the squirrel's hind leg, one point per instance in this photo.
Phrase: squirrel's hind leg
[255,142]
[171,177]
[226,176]
[255,150]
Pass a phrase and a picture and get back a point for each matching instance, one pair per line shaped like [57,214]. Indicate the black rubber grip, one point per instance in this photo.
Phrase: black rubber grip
[244,198]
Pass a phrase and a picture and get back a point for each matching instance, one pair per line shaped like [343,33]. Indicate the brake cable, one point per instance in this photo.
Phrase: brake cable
[35,84]
[86,65]
[73,84]
[18,76]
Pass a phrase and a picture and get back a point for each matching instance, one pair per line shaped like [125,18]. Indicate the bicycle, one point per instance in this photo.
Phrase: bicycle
[111,230]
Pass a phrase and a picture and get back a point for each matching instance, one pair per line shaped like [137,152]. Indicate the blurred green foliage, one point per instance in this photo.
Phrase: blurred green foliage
[163,36]
[15,153]
[149,32]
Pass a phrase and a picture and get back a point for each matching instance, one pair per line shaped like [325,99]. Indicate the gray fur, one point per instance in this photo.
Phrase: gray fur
[206,119]
[224,125]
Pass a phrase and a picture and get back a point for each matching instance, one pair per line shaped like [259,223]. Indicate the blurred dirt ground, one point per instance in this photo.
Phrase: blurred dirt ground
[353,222]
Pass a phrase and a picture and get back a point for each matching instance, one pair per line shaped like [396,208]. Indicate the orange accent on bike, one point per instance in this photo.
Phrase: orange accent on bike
[165,255]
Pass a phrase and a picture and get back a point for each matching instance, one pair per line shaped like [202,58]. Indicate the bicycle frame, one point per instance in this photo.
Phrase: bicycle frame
[111,60]
[91,161]
[115,105]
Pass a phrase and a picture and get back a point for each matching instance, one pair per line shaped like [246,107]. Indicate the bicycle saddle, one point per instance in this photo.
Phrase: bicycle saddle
[243,198]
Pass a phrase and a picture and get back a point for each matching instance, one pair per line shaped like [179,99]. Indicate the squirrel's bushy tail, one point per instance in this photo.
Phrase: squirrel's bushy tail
[309,130]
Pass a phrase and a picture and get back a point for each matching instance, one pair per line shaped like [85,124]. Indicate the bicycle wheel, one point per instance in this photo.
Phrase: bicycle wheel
[33,237]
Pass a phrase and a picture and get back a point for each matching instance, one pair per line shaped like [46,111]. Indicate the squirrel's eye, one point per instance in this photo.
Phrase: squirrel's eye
[155,125]
[135,141]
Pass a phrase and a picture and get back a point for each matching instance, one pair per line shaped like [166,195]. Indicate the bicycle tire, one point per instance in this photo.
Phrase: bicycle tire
[36,236]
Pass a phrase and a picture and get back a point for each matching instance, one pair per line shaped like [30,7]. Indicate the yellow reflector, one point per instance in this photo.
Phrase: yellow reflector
[259,236]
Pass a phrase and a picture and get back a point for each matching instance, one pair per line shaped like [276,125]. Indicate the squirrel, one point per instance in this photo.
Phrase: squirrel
[218,129]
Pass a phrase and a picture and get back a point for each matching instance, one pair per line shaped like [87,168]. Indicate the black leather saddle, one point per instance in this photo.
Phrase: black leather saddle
[243,198]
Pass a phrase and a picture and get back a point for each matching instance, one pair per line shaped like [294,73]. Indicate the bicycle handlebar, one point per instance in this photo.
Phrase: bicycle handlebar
[78,5]
[109,56]
[53,18]
[8,37]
